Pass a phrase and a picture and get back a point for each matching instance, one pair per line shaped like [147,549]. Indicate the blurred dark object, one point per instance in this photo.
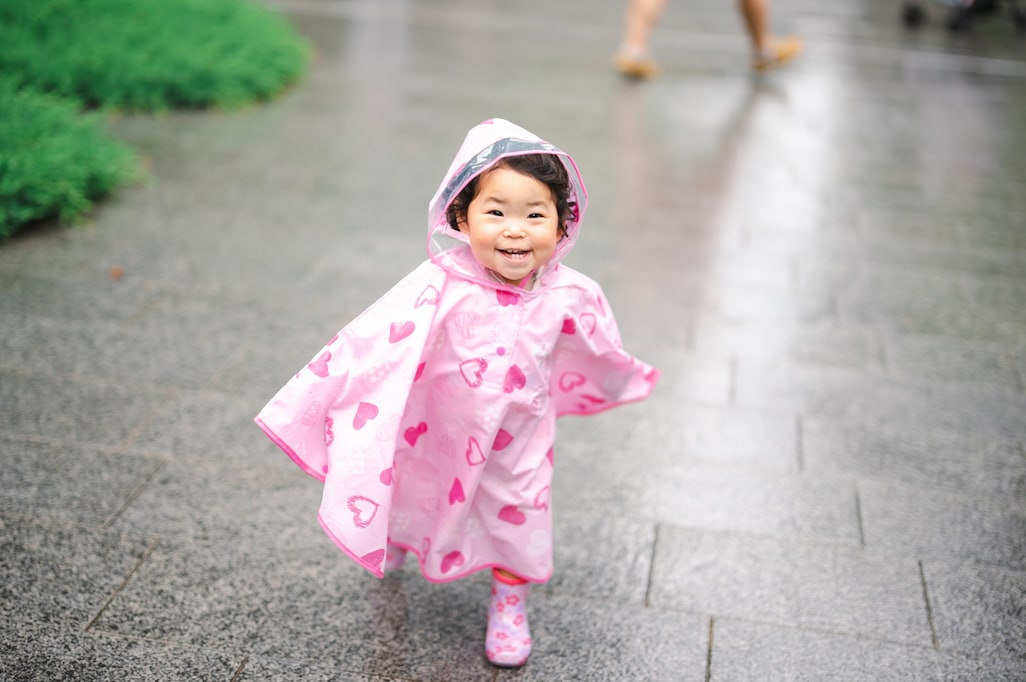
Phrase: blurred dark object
[963,12]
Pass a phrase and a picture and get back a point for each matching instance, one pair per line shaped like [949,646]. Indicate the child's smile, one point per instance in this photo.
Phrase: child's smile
[512,223]
[514,255]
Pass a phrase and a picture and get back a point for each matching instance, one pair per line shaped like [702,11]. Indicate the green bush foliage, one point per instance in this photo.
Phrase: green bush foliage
[53,159]
[60,56]
[149,54]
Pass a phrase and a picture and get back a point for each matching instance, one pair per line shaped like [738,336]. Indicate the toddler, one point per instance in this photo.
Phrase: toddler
[430,418]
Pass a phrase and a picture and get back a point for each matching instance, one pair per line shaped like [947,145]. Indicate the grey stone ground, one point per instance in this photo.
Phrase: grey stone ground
[828,264]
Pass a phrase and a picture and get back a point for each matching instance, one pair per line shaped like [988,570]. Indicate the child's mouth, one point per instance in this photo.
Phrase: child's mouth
[514,254]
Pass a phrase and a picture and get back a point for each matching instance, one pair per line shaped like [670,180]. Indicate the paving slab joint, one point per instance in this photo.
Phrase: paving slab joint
[149,550]
[651,566]
[709,650]
[929,609]
[240,670]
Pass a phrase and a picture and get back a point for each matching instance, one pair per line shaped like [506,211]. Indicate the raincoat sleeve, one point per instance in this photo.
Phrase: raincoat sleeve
[591,370]
[338,417]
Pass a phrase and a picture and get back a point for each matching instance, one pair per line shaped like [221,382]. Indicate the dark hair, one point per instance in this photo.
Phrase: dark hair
[545,168]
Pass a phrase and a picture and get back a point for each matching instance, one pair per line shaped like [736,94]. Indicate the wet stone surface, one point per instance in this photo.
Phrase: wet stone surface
[827,263]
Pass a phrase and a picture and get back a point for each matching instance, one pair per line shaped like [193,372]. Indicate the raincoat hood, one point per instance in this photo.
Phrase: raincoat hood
[485,145]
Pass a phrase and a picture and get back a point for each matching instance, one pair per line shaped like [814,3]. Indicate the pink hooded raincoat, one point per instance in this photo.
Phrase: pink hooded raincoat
[430,418]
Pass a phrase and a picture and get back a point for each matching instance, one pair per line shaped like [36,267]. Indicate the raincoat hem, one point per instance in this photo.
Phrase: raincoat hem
[375,570]
[277,440]
[463,574]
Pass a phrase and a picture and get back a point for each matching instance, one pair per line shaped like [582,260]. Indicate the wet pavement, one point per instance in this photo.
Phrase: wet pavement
[828,264]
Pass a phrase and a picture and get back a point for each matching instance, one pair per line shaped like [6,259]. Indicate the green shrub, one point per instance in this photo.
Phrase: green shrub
[53,159]
[149,54]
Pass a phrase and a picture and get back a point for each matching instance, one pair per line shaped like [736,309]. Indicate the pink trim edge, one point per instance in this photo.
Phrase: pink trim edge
[288,450]
[377,571]
[464,574]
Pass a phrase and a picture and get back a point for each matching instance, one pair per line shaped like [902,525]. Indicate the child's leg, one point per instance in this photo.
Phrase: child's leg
[508,641]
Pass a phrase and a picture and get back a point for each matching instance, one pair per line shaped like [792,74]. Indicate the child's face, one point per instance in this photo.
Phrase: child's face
[512,224]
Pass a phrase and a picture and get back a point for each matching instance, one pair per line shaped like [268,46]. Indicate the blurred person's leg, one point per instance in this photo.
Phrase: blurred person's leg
[634,57]
[770,51]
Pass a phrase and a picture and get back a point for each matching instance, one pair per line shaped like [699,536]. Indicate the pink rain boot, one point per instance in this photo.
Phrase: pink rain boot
[508,642]
[394,558]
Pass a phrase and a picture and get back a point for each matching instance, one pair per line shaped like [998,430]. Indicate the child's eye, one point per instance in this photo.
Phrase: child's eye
[495,212]
[536,215]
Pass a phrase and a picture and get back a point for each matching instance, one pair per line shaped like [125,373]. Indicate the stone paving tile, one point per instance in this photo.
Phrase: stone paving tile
[663,432]
[697,495]
[965,262]
[206,595]
[757,440]
[615,487]
[761,304]
[911,302]
[902,233]
[60,573]
[65,291]
[208,425]
[936,458]
[682,475]
[165,241]
[994,232]
[90,413]
[809,390]
[257,368]
[689,378]
[260,372]
[664,347]
[1002,294]
[919,360]
[828,344]
[751,651]
[730,276]
[69,482]
[914,521]
[826,265]
[34,652]
[844,590]
[591,639]
[402,627]
[192,498]
[978,610]
[601,556]
[265,668]
[407,628]
[850,396]
[114,352]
